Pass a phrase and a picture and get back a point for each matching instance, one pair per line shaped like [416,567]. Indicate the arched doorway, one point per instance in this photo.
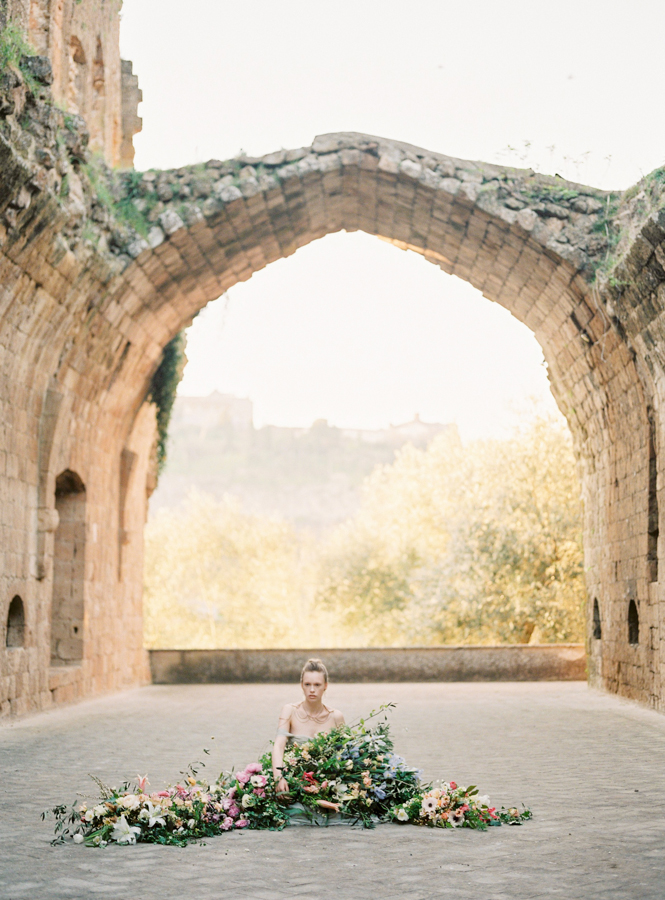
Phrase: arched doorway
[531,243]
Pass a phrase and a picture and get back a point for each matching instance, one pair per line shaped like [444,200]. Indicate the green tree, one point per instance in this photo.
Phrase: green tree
[476,544]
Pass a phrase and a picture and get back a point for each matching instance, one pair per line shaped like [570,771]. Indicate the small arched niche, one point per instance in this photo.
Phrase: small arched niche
[16,624]
[633,623]
[597,627]
[67,605]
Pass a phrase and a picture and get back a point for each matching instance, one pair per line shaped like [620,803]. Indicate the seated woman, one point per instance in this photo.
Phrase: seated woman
[299,722]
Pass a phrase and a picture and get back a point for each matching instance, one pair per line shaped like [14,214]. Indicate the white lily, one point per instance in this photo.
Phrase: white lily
[123,832]
[154,814]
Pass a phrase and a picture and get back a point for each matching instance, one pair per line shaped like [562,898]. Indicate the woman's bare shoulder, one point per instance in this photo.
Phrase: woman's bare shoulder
[338,717]
[287,710]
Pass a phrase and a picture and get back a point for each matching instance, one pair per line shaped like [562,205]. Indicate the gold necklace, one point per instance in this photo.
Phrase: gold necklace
[319,718]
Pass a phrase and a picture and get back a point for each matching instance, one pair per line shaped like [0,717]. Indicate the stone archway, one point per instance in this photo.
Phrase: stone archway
[92,325]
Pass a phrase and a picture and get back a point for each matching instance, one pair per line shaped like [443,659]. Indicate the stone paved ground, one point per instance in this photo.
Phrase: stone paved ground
[590,765]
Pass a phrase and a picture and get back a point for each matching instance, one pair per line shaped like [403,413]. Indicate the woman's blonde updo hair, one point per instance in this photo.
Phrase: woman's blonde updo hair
[314,665]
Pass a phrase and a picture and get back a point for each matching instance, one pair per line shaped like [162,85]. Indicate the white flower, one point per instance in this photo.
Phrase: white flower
[482,801]
[247,801]
[78,838]
[429,804]
[191,823]
[456,818]
[88,816]
[154,814]
[100,810]
[402,815]
[129,801]
[123,832]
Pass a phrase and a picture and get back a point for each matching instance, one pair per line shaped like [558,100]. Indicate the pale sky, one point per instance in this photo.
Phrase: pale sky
[351,329]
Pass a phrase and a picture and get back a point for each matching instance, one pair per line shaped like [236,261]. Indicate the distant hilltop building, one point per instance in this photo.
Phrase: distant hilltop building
[219,410]
[213,411]
[415,432]
[310,477]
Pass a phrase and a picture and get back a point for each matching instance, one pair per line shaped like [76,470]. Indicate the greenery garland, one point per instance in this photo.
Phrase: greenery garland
[163,387]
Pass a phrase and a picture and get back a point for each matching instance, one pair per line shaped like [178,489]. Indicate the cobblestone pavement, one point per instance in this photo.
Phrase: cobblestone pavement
[590,766]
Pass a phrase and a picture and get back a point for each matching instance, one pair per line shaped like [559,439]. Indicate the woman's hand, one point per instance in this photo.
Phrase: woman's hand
[282,786]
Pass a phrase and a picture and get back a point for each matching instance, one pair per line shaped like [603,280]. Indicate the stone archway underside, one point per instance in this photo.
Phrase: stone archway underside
[82,328]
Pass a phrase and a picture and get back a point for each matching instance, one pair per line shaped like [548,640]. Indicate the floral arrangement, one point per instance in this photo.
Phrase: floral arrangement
[351,772]
[450,806]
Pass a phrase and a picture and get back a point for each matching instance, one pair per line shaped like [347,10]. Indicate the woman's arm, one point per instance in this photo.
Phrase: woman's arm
[278,749]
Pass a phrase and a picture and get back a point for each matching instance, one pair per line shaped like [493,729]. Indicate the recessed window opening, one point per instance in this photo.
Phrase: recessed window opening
[67,606]
[597,629]
[652,540]
[76,93]
[633,623]
[16,623]
[98,113]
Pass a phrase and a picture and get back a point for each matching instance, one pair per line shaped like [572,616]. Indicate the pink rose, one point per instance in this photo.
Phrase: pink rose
[254,768]
[234,811]
[227,824]
[243,778]
[242,823]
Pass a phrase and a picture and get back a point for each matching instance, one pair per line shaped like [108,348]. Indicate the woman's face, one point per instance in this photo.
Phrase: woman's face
[313,686]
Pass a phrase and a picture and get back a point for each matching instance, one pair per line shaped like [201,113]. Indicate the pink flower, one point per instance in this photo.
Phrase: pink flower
[254,768]
[243,778]
[163,793]
[142,782]
[227,803]
[259,792]
[232,792]
[234,811]
[242,823]
[453,785]
[227,824]
[259,781]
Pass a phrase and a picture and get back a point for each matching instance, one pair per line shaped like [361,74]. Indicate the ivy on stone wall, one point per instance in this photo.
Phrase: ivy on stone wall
[163,389]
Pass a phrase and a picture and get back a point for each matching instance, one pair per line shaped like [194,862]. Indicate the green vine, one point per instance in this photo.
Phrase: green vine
[163,389]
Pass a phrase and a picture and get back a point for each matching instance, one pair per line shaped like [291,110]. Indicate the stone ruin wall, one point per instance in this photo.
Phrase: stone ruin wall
[99,269]
[81,38]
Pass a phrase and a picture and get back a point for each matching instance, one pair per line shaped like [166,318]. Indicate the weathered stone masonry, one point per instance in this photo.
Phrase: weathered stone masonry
[99,270]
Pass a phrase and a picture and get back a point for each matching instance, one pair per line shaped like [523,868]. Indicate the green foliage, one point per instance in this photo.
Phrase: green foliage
[163,389]
[218,577]
[475,544]
[13,47]
[95,172]
[552,193]
[127,209]
[464,545]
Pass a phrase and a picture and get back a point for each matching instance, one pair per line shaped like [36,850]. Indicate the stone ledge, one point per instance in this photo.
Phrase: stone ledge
[61,676]
[517,662]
